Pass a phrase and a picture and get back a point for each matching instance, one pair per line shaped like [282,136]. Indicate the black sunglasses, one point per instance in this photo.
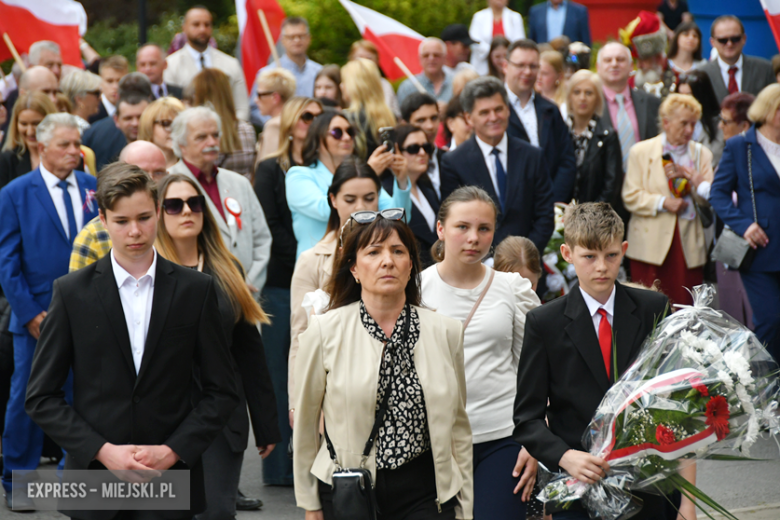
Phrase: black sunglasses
[338,133]
[165,123]
[732,39]
[414,149]
[175,206]
[368,216]
[308,117]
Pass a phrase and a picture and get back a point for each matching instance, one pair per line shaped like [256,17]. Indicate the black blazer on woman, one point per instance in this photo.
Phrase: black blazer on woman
[417,223]
[13,165]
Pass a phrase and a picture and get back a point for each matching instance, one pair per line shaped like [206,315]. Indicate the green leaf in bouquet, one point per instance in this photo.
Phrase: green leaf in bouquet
[696,495]
[724,457]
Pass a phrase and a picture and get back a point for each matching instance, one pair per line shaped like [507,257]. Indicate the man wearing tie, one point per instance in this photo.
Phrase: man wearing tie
[150,61]
[40,215]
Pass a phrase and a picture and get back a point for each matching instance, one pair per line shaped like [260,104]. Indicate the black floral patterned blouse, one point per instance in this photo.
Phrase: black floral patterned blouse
[403,435]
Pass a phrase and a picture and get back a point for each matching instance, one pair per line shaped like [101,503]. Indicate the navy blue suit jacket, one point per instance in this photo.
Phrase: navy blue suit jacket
[732,175]
[33,244]
[529,201]
[575,26]
[556,144]
[106,140]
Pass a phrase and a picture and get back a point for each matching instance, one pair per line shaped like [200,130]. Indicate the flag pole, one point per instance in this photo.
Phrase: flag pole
[409,74]
[11,48]
[268,37]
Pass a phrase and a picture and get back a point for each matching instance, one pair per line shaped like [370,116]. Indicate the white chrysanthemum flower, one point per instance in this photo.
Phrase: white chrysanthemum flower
[570,273]
[712,350]
[550,259]
[725,378]
[751,436]
[555,282]
[738,365]
[744,399]
[693,355]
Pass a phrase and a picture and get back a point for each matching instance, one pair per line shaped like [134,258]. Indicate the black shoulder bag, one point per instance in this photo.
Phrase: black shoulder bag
[353,492]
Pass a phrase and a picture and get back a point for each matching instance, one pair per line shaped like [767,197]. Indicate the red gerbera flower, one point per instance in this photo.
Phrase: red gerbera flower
[698,385]
[664,435]
[718,415]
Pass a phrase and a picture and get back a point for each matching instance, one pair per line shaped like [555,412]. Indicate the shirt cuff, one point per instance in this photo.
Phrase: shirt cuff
[660,207]
[704,190]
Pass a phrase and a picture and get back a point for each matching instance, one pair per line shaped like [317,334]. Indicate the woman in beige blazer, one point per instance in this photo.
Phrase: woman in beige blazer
[376,339]
[665,234]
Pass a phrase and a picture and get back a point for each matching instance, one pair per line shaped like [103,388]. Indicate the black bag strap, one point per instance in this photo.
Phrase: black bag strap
[380,413]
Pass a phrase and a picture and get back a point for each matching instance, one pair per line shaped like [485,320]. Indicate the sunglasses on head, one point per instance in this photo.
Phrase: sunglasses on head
[165,123]
[414,149]
[732,39]
[367,217]
[338,133]
[308,117]
[175,206]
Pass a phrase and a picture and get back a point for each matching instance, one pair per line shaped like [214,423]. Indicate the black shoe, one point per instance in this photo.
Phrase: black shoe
[22,504]
[245,503]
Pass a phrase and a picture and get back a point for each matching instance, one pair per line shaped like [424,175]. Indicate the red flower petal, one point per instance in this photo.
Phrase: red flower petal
[718,415]
[664,435]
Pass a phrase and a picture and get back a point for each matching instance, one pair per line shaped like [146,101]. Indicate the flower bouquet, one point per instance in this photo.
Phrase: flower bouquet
[702,383]
[560,273]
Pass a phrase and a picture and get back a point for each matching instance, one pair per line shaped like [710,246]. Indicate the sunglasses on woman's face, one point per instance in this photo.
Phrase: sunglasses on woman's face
[414,149]
[338,133]
[175,206]
[308,117]
[165,123]
[368,216]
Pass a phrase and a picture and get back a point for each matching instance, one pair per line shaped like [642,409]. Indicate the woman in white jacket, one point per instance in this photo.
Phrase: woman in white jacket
[496,20]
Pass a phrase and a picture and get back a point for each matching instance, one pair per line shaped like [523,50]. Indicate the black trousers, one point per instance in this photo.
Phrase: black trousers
[406,493]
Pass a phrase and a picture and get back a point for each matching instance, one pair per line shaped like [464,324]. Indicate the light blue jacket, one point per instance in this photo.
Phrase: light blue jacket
[307,196]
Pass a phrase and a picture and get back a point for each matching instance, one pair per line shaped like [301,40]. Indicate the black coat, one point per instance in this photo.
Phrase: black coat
[13,165]
[102,113]
[417,223]
[106,140]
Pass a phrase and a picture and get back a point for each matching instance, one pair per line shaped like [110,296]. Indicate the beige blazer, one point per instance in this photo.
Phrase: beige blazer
[182,68]
[650,231]
[312,272]
[339,363]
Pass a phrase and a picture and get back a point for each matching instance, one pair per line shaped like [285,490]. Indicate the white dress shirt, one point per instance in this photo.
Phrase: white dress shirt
[490,159]
[527,115]
[594,306]
[136,297]
[55,192]
[110,108]
[724,71]
[424,207]
[159,90]
[771,149]
[196,56]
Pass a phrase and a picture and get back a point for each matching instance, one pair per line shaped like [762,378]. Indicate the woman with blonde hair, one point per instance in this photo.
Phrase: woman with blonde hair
[155,125]
[366,107]
[238,140]
[82,89]
[188,235]
[550,82]
[274,87]
[366,49]
[519,255]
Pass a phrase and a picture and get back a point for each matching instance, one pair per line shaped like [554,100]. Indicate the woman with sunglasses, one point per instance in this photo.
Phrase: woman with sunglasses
[296,116]
[155,126]
[187,234]
[378,358]
[329,142]
[413,144]
[493,305]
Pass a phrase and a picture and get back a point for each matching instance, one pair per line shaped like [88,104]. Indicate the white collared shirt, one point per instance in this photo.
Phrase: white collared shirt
[724,71]
[526,114]
[433,172]
[196,56]
[424,207]
[109,106]
[159,90]
[55,192]
[594,306]
[490,159]
[136,297]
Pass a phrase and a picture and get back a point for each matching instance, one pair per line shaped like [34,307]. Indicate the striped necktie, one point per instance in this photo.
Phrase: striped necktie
[624,129]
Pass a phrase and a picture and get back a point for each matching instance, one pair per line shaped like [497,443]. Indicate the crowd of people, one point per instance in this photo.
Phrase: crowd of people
[375,257]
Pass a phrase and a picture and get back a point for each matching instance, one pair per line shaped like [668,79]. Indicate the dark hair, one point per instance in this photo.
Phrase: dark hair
[738,104]
[522,43]
[454,109]
[414,102]
[683,28]
[726,18]
[342,286]
[480,88]
[701,89]
[498,41]
[315,137]
[131,98]
[119,179]
[328,103]
[137,83]
[350,168]
[333,73]
[403,131]
[295,20]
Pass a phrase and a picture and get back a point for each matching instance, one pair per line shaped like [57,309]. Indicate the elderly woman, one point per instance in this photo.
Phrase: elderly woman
[750,167]
[665,233]
[378,358]
[274,88]
[155,126]
[596,145]
[83,91]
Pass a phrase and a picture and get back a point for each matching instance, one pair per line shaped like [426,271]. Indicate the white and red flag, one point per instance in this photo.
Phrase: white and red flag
[772,11]
[393,39]
[29,21]
[255,50]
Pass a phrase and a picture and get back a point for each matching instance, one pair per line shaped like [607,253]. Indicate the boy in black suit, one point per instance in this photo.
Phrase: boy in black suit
[567,351]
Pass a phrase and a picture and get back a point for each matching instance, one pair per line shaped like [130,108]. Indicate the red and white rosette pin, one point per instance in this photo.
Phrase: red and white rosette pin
[234,208]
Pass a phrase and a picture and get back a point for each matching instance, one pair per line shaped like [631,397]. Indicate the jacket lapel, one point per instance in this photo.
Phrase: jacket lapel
[42,192]
[224,191]
[624,329]
[640,109]
[542,121]
[716,78]
[581,332]
[480,169]
[108,294]
[517,125]
[515,182]
[761,163]
[88,207]
[164,287]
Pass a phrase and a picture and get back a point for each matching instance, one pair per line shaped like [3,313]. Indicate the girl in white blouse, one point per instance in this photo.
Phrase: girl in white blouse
[504,473]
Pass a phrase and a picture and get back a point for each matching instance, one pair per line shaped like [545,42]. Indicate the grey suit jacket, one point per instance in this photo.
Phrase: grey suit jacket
[252,243]
[757,73]
[646,107]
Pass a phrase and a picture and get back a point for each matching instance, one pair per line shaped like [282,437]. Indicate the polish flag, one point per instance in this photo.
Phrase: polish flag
[393,39]
[772,11]
[29,21]
[254,44]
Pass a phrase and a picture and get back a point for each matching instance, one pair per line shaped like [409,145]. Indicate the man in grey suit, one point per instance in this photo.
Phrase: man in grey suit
[733,71]
[229,195]
[633,113]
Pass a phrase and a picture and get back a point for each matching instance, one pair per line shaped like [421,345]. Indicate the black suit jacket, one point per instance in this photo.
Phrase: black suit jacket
[106,140]
[529,212]
[13,165]
[646,107]
[86,332]
[9,103]
[757,73]
[102,113]
[425,236]
[554,141]
[174,91]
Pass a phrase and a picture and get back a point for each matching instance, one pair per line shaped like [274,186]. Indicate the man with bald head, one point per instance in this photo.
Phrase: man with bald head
[196,55]
[150,61]
[93,243]
[434,78]
[39,79]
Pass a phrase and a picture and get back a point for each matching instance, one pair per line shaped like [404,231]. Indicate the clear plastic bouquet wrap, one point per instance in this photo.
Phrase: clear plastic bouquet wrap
[702,383]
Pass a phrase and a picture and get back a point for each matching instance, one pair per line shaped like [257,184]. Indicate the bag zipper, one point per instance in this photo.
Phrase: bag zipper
[438,505]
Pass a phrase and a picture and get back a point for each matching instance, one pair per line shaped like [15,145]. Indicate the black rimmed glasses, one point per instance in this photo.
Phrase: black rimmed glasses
[338,133]
[368,216]
[175,206]
[414,149]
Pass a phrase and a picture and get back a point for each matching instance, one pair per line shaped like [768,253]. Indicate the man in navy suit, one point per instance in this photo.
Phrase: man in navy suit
[556,18]
[40,215]
[537,120]
[512,171]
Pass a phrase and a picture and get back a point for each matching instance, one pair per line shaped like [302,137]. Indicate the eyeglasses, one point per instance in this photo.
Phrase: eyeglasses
[266,93]
[338,133]
[414,149]
[294,37]
[175,206]
[308,117]
[165,123]
[724,120]
[367,217]
[732,39]
[529,66]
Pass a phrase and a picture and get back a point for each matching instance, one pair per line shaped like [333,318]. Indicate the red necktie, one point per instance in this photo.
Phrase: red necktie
[733,80]
[605,340]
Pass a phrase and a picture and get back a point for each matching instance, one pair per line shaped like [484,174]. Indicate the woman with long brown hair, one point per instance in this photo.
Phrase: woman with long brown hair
[187,234]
